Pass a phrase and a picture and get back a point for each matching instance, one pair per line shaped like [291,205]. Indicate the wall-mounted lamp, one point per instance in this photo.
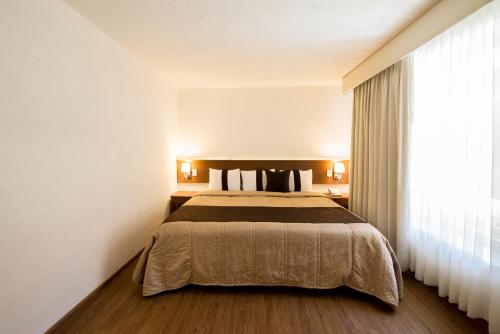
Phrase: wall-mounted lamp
[186,170]
[338,170]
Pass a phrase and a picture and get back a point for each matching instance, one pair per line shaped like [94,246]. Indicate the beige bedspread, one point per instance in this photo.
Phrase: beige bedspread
[320,256]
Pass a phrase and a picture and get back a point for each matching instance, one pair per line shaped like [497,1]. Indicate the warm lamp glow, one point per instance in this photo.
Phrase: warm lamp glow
[338,169]
[186,169]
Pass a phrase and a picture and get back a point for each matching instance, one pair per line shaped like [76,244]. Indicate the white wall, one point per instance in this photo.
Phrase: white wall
[272,122]
[86,163]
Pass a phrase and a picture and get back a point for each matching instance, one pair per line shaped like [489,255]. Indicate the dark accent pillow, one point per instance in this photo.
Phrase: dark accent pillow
[224,180]
[278,181]
[296,180]
[259,183]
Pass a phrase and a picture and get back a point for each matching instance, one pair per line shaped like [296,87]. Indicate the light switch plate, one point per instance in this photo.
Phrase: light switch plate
[329,173]
[194,171]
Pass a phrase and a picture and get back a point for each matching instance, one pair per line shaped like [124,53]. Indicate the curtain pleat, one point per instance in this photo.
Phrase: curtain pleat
[378,127]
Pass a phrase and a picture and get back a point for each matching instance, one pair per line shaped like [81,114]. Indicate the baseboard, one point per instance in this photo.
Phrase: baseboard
[74,308]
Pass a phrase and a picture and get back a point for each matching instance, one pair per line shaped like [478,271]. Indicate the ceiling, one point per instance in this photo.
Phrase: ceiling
[231,43]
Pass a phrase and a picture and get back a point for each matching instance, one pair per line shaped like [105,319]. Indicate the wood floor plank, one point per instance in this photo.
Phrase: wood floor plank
[118,307]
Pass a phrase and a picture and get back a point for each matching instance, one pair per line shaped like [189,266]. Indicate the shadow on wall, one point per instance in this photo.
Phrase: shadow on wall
[127,243]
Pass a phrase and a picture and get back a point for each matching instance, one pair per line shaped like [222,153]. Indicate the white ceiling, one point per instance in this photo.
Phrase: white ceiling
[228,43]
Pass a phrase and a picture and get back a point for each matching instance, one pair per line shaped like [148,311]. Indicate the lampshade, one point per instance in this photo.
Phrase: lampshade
[338,167]
[185,167]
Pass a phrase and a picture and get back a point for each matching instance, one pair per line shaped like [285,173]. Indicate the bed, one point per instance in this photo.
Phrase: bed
[300,239]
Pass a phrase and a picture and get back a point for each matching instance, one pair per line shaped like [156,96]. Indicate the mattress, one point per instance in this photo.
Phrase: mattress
[300,239]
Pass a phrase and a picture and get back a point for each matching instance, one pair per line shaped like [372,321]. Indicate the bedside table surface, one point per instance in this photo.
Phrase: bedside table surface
[335,197]
[184,193]
[342,200]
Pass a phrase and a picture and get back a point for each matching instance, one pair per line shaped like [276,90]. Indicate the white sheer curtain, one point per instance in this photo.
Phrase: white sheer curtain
[453,226]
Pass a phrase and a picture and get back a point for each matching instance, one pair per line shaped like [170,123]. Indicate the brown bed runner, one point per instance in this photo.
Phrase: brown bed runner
[196,213]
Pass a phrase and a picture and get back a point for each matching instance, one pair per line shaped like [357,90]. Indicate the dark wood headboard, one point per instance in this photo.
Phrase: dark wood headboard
[319,168]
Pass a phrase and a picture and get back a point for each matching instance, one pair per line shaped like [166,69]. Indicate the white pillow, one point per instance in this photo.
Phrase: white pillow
[215,179]
[234,180]
[291,184]
[306,180]
[249,178]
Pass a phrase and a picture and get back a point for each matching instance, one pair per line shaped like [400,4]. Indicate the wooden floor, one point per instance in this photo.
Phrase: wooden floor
[119,307]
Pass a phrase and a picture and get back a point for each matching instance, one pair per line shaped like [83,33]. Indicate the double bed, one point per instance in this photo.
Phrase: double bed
[300,239]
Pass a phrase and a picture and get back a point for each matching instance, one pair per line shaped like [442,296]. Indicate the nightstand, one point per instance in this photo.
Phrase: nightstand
[340,200]
[180,197]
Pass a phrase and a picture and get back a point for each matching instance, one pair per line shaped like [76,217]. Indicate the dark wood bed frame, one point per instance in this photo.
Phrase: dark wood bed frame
[319,168]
